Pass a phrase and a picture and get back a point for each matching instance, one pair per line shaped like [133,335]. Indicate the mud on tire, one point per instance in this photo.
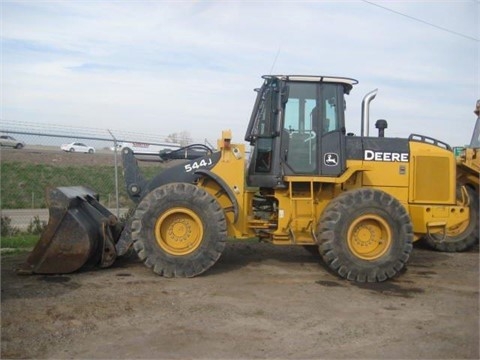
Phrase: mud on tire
[365,235]
[179,230]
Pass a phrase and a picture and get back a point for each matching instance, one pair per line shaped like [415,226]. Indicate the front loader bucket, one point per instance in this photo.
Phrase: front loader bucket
[80,232]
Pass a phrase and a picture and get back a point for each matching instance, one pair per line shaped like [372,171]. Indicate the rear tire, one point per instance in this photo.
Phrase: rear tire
[461,237]
[365,235]
[179,230]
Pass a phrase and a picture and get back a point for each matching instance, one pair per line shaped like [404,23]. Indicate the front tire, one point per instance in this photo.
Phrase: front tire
[179,230]
[365,235]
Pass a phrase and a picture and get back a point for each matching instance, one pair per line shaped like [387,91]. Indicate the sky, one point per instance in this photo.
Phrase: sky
[160,67]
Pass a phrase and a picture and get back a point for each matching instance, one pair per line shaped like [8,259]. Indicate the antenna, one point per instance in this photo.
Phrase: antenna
[275,60]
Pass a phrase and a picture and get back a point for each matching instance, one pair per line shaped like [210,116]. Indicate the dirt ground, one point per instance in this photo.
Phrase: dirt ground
[258,301]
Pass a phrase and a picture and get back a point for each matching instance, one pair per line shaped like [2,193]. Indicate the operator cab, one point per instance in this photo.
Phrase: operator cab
[297,127]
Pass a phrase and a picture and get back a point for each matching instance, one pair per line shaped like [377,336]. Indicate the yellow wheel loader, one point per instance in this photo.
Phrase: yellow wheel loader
[361,200]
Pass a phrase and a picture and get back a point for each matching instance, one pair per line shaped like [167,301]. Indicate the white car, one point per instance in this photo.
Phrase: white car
[7,140]
[77,147]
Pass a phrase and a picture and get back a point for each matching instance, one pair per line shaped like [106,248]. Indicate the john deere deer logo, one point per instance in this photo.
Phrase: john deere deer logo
[330,159]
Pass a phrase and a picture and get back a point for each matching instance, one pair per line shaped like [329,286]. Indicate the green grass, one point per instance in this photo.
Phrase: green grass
[23,185]
[18,243]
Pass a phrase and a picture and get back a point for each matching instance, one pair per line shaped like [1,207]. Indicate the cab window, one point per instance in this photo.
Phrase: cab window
[299,129]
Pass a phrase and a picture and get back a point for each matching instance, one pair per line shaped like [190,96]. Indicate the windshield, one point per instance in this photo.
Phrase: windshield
[262,121]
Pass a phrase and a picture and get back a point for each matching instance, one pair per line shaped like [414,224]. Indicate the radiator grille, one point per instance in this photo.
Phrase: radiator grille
[431,179]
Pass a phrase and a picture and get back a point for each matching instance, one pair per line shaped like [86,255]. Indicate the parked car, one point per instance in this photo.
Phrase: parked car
[7,140]
[140,148]
[77,147]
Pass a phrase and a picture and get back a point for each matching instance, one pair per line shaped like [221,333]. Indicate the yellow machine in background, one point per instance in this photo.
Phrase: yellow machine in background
[468,157]
[468,176]
[361,200]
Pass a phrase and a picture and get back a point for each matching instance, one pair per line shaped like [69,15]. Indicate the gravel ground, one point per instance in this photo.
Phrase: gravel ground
[258,301]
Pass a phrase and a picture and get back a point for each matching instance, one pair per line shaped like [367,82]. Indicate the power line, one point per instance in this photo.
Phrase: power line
[422,21]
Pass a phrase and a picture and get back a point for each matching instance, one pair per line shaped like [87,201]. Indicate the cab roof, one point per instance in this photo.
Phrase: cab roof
[347,82]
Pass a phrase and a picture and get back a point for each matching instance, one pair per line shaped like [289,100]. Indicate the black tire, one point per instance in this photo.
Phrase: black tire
[459,238]
[19,146]
[90,151]
[179,230]
[72,150]
[365,235]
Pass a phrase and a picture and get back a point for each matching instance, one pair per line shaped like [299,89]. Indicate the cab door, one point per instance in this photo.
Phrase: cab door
[313,136]
[300,132]
[332,141]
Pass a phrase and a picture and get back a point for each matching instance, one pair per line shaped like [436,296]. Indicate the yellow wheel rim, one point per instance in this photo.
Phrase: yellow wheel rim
[369,237]
[179,231]
[457,229]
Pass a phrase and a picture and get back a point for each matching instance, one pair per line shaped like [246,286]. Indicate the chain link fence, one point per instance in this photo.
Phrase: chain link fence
[35,160]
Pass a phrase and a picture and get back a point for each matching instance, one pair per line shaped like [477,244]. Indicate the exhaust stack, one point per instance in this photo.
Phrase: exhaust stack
[366,111]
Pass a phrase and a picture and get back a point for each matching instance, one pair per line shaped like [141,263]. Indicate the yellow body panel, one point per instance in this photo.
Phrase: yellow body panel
[386,174]
[231,170]
[437,218]
[390,177]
